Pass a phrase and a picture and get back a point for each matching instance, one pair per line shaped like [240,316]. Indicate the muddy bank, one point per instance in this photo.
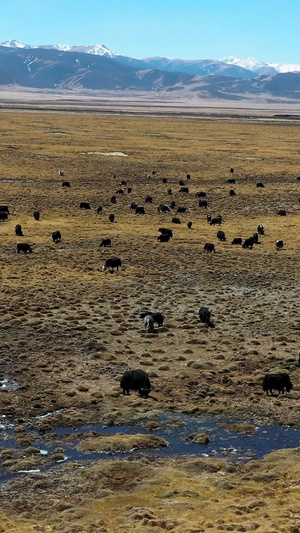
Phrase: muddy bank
[157,495]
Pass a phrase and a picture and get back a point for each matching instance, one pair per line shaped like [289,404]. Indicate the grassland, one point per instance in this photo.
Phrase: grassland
[69,330]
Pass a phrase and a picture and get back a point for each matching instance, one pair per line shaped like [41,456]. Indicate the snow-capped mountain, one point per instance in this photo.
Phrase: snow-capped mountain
[97,49]
[281,67]
[241,68]
[15,44]
[56,70]
[249,63]
[259,67]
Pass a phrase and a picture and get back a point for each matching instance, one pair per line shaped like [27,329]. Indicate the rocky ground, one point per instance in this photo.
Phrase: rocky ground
[70,330]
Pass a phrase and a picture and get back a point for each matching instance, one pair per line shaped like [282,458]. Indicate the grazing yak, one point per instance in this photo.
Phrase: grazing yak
[255,238]
[56,236]
[189,225]
[157,317]
[136,380]
[162,208]
[279,245]
[149,324]
[237,240]
[181,182]
[3,216]
[184,189]
[260,184]
[231,170]
[36,215]
[84,205]
[188,176]
[208,218]
[169,191]
[164,237]
[133,206]
[111,263]
[182,209]
[221,236]
[278,382]
[4,209]
[231,192]
[66,184]
[120,191]
[24,247]
[176,220]
[129,190]
[18,230]
[111,217]
[204,315]
[216,220]
[200,194]
[202,203]
[99,210]
[123,182]
[61,173]
[231,180]
[105,242]
[209,247]
[248,243]
[140,210]
[172,204]
[260,229]
[281,212]
[113,200]
[166,230]
[148,199]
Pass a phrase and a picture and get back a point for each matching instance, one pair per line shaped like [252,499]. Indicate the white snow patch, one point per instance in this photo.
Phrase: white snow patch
[44,452]
[40,417]
[120,154]
[29,471]
[62,460]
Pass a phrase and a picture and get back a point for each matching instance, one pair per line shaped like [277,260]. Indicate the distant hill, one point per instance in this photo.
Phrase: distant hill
[248,67]
[44,68]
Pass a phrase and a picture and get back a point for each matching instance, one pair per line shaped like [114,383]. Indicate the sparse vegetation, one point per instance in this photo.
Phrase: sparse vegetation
[70,330]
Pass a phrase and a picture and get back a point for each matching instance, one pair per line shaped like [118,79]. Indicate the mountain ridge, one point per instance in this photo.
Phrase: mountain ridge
[248,67]
[48,69]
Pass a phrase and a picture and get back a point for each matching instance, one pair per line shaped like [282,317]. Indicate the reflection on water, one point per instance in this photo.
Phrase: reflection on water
[223,442]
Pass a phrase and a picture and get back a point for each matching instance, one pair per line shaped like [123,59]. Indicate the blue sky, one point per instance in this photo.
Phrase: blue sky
[191,29]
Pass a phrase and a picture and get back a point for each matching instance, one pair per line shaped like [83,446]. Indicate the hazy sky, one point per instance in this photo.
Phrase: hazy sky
[191,29]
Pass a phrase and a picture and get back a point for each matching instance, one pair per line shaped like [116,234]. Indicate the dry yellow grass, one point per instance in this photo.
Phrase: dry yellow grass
[69,330]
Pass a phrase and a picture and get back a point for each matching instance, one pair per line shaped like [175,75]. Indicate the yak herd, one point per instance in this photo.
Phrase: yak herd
[138,380]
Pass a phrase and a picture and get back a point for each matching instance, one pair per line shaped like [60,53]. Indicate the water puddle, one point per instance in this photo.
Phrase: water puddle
[7,384]
[223,439]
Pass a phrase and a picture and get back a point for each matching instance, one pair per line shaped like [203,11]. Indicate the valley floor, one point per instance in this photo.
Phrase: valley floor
[70,330]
